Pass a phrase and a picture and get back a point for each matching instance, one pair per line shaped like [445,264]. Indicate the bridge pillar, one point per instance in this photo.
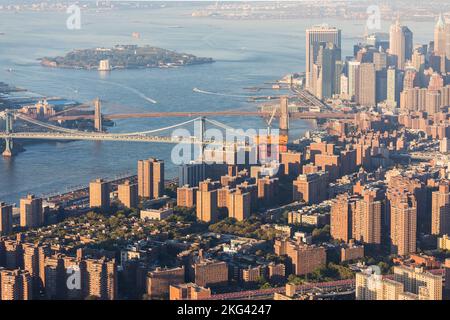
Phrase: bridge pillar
[98,121]
[9,145]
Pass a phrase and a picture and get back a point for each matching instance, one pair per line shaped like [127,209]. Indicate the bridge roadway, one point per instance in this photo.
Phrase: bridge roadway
[107,137]
[292,115]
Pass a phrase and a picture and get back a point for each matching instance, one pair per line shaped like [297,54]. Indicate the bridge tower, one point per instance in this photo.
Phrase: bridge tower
[9,145]
[284,123]
[98,121]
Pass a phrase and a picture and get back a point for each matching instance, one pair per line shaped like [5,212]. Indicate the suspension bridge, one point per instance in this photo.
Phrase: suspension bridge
[54,132]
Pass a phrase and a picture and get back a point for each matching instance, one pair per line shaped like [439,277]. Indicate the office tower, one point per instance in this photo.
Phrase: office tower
[101,277]
[99,194]
[305,258]
[366,93]
[344,87]
[160,280]
[353,78]
[440,37]
[403,225]
[150,178]
[400,44]
[311,188]
[380,60]
[31,212]
[186,196]
[324,70]
[239,204]
[207,209]
[381,85]
[410,79]
[191,174]
[128,194]
[210,273]
[15,285]
[418,62]
[440,210]
[315,36]
[342,209]
[367,219]
[5,218]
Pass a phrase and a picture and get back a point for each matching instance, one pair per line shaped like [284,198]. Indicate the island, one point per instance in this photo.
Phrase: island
[123,57]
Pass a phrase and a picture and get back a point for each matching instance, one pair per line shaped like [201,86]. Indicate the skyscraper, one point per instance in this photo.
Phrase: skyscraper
[394,87]
[342,210]
[99,194]
[353,78]
[150,178]
[403,225]
[366,93]
[31,212]
[440,37]
[315,36]
[440,210]
[367,220]
[324,70]
[400,44]
[5,218]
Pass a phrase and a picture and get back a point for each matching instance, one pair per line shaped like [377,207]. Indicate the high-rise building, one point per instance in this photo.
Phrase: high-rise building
[315,36]
[440,210]
[440,37]
[394,87]
[99,194]
[186,196]
[366,93]
[207,209]
[150,178]
[324,70]
[15,285]
[342,210]
[353,78]
[31,212]
[267,190]
[101,277]
[367,219]
[408,284]
[5,218]
[403,225]
[400,44]
[191,173]
[419,282]
[128,194]
[239,204]
[311,188]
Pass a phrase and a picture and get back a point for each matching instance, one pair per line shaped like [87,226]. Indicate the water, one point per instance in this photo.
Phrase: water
[247,53]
